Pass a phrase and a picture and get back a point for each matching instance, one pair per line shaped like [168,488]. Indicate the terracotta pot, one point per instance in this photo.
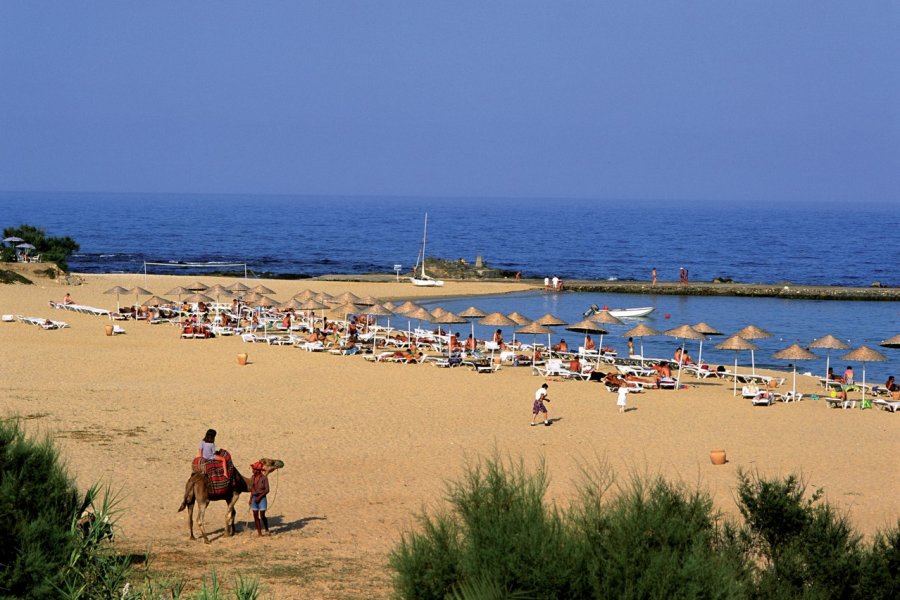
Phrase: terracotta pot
[717,457]
[242,358]
[109,329]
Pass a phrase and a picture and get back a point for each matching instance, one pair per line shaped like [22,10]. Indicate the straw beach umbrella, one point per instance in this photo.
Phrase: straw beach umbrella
[828,343]
[369,300]
[892,342]
[496,319]
[640,331]
[684,333]
[238,287]
[304,295]
[406,307]
[197,286]
[261,289]
[520,319]
[117,291]
[588,327]
[156,301]
[378,310]
[470,314]
[864,354]
[550,320]
[139,291]
[347,298]
[448,318]
[752,332]
[605,317]
[794,352]
[390,306]
[705,329]
[736,343]
[534,328]
[178,291]
[420,314]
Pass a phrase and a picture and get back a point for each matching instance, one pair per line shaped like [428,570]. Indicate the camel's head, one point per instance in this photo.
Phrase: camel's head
[268,464]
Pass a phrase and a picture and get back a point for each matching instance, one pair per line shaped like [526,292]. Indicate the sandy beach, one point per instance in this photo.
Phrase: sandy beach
[367,446]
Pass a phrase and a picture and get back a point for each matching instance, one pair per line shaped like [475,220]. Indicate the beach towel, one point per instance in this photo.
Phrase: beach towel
[218,482]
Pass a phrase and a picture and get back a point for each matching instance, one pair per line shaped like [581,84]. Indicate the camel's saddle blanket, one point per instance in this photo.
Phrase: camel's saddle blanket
[219,481]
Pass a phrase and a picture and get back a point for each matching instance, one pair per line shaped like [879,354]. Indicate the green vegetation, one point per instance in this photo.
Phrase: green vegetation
[51,249]
[499,539]
[54,544]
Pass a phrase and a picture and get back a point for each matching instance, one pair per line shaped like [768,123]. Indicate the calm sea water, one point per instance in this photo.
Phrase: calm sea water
[574,239]
[569,238]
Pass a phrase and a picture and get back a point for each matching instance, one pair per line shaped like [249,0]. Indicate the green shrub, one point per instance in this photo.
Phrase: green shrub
[880,568]
[38,504]
[51,249]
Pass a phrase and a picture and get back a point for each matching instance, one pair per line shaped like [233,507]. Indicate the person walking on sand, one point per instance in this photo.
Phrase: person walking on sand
[259,489]
[540,397]
[622,402]
[653,277]
[555,283]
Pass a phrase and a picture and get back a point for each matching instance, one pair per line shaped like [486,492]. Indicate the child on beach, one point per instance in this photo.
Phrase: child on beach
[208,451]
[540,396]
[622,402]
[259,489]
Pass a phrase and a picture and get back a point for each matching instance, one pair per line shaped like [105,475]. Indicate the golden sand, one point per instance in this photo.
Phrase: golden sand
[367,446]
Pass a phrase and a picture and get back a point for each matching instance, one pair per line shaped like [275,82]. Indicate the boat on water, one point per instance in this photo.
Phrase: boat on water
[422,279]
[621,313]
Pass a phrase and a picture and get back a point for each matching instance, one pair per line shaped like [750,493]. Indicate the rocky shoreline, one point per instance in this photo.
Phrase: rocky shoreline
[760,290]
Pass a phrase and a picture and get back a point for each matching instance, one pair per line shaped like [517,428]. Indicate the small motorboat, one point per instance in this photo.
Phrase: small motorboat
[620,313]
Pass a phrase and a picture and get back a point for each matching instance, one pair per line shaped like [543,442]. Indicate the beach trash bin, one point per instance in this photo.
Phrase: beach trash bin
[242,358]
[109,330]
[717,457]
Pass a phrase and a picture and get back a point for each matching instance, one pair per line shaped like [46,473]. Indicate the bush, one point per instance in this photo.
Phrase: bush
[52,249]
[501,540]
[653,540]
[38,504]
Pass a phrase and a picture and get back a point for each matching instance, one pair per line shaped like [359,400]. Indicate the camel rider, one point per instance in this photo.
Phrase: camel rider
[208,451]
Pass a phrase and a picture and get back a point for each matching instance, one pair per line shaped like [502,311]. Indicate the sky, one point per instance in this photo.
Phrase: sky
[781,100]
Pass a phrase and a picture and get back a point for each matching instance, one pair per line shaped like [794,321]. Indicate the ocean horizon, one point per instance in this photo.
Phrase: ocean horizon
[307,236]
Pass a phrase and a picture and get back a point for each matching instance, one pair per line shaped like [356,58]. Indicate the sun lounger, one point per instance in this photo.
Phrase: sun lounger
[763,398]
[311,346]
[252,338]
[633,387]
[789,396]
[888,405]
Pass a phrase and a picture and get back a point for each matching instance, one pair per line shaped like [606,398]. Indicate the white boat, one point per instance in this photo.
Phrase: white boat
[424,280]
[620,313]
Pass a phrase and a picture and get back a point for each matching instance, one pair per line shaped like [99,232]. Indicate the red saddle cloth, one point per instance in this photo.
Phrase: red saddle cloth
[219,481]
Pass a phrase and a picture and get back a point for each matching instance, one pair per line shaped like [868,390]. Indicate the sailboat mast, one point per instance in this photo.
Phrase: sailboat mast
[424,237]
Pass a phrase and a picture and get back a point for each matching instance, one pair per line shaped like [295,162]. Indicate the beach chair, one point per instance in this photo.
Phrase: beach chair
[763,398]
[251,338]
[789,396]
[888,405]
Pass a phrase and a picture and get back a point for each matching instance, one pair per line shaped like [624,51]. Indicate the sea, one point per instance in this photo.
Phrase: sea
[306,236]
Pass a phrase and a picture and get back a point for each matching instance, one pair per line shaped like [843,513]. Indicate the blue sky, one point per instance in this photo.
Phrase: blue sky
[730,101]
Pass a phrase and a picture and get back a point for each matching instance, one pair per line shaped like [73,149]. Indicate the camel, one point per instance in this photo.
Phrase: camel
[195,490]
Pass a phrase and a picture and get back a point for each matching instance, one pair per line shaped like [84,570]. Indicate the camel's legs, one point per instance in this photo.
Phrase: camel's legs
[190,511]
[201,512]
[229,515]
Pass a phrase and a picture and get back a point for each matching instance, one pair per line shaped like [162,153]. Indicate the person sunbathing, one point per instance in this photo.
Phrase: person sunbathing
[562,346]
[67,299]
[498,339]
[663,370]
[471,343]
[613,379]
[589,344]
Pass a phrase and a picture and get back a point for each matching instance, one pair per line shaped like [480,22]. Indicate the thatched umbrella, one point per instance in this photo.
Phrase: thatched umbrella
[178,291]
[420,314]
[139,291]
[496,319]
[368,300]
[218,291]
[251,297]
[304,295]
[116,290]
[684,333]
[312,306]
[550,320]
[238,287]
[264,302]
[604,316]
[519,318]
[156,301]
[705,329]
[471,314]
[752,332]
[534,328]
[347,298]
[326,298]
[892,342]
[406,307]
[588,327]
[828,343]
[261,289]
[864,354]
[438,311]
[197,286]
[794,352]
[639,331]
[449,318]
[345,310]
[378,310]
[390,306]
[292,304]
[736,343]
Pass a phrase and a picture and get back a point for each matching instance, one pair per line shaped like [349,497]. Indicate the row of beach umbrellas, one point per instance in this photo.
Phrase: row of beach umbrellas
[349,304]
